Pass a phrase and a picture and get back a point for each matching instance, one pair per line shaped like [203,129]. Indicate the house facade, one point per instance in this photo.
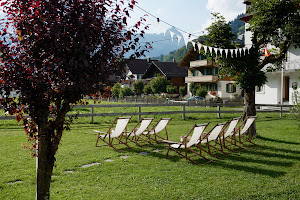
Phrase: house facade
[171,70]
[281,85]
[206,73]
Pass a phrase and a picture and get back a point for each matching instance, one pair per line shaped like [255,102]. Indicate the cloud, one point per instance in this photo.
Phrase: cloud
[230,9]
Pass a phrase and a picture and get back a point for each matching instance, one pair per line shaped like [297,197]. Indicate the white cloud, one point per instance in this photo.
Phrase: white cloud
[230,9]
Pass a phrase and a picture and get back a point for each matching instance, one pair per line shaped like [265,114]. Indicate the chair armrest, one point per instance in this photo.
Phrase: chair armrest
[171,142]
[99,132]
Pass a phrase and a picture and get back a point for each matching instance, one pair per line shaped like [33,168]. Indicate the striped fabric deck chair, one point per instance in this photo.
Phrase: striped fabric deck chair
[187,143]
[154,133]
[136,132]
[114,134]
[229,132]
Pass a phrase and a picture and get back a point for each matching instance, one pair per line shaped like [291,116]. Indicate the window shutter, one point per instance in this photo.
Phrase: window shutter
[216,71]
[234,88]
[227,87]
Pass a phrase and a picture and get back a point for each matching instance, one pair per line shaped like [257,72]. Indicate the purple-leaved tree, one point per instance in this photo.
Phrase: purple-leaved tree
[53,52]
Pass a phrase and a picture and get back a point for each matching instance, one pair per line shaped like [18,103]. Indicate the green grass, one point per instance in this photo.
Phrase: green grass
[270,171]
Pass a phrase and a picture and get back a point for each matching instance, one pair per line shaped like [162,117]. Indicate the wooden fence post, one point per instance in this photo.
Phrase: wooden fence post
[92,114]
[219,112]
[183,112]
[280,111]
[139,111]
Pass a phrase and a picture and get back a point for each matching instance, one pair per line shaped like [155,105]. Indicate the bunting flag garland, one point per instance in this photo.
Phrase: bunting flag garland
[179,39]
[194,45]
[186,41]
[199,46]
[165,31]
[216,51]
[210,49]
[172,34]
[205,48]
[226,52]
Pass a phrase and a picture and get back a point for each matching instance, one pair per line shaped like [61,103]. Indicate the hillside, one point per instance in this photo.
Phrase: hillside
[238,28]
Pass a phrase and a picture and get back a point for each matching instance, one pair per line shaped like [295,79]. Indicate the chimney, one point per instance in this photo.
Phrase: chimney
[174,60]
[148,59]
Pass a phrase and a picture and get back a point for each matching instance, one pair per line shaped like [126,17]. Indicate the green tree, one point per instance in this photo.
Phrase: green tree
[116,90]
[182,91]
[171,89]
[193,88]
[201,92]
[148,89]
[138,87]
[125,92]
[159,84]
[280,27]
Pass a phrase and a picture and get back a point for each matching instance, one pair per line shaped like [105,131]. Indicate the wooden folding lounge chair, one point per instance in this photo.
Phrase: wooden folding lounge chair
[114,134]
[238,135]
[135,134]
[187,143]
[214,135]
[229,132]
[153,134]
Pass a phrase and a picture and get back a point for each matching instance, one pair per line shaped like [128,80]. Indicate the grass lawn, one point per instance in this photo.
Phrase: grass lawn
[270,171]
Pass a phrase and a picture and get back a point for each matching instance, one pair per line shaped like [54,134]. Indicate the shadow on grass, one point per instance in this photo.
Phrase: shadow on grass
[254,170]
[273,140]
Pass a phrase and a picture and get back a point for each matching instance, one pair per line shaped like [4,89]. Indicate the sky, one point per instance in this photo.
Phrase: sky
[192,16]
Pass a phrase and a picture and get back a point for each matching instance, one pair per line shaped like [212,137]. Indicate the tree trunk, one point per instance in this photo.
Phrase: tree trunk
[45,162]
[249,108]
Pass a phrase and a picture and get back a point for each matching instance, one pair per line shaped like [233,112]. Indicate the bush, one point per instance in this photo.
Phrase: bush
[171,89]
[193,88]
[116,90]
[159,85]
[125,91]
[201,92]
[182,91]
[147,89]
[138,87]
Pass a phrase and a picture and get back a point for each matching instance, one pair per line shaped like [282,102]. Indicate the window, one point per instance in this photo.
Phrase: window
[260,89]
[202,72]
[216,70]
[230,88]
[208,71]
[194,72]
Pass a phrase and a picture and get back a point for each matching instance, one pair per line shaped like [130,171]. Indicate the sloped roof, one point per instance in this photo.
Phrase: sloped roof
[138,66]
[171,69]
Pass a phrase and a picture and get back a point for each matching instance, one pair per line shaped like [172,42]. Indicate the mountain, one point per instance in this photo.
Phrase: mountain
[238,28]
[162,44]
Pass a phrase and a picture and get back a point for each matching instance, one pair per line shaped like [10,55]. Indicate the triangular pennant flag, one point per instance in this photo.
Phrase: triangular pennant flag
[205,49]
[240,50]
[216,51]
[226,52]
[186,41]
[194,43]
[179,39]
[245,50]
[231,51]
[199,46]
[210,49]
[165,31]
[221,52]
[172,34]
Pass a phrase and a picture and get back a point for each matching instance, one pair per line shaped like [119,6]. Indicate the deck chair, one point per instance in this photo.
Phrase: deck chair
[153,134]
[136,132]
[213,136]
[114,134]
[187,143]
[229,132]
[237,137]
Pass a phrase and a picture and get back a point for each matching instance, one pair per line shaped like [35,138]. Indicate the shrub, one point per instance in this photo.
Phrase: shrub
[201,92]
[171,89]
[193,88]
[125,91]
[182,91]
[116,90]
[147,89]
[138,87]
[159,84]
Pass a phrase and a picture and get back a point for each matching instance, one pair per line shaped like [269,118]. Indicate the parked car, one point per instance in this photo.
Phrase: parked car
[195,98]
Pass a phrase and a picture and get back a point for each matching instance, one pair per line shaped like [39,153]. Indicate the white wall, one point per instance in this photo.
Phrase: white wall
[271,93]
[222,90]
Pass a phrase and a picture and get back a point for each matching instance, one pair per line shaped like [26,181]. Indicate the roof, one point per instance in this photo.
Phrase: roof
[138,66]
[170,69]
[191,55]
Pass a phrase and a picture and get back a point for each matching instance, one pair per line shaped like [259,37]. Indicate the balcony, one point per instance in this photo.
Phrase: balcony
[201,63]
[202,79]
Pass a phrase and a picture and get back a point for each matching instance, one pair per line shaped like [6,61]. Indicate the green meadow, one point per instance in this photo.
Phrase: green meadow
[269,171]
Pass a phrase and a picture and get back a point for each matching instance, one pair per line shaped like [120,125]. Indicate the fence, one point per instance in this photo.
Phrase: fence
[267,108]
